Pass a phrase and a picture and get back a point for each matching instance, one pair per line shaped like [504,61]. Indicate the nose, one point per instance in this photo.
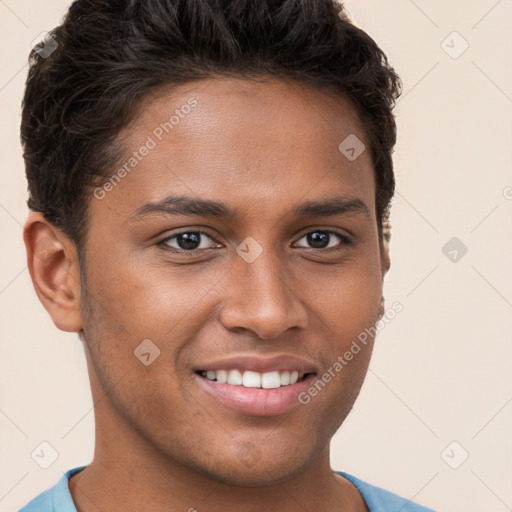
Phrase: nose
[262,297]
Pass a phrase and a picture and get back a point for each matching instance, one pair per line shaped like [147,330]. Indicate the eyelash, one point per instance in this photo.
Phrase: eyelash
[346,241]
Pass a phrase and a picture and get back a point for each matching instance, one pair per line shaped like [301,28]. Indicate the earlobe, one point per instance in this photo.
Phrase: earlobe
[52,260]
[381,308]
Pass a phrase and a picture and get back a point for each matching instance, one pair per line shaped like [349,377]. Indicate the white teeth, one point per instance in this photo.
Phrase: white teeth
[270,380]
[250,379]
[285,378]
[234,378]
[222,376]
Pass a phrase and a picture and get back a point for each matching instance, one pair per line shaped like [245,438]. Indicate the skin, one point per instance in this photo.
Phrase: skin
[162,443]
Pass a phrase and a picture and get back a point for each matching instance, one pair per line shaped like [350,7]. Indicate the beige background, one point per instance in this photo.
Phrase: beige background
[440,371]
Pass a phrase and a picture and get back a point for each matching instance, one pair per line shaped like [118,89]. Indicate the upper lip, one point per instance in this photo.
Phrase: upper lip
[256,363]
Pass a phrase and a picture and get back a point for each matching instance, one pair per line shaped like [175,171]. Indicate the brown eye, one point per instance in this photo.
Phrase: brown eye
[187,241]
[325,239]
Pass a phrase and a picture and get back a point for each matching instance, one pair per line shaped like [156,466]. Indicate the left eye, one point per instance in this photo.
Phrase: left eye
[321,239]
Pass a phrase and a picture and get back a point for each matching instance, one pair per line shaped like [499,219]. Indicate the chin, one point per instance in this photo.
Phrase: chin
[251,473]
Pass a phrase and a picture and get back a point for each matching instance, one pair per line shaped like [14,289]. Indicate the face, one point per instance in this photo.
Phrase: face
[269,278]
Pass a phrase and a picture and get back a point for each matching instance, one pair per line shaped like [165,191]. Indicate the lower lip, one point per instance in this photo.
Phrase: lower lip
[257,401]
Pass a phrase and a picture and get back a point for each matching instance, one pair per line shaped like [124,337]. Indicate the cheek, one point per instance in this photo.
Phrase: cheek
[148,299]
[347,298]
[346,307]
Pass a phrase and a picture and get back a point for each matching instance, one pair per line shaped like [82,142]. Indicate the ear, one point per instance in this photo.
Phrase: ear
[385,265]
[385,259]
[52,260]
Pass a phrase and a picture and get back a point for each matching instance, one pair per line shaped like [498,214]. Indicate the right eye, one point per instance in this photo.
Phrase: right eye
[186,241]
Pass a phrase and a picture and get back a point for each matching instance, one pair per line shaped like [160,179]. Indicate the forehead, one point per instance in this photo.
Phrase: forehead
[252,111]
[251,142]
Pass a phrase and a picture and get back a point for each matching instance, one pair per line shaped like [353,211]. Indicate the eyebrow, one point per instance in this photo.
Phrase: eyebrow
[182,206]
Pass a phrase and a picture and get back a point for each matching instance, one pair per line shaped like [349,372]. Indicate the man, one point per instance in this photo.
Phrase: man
[210,186]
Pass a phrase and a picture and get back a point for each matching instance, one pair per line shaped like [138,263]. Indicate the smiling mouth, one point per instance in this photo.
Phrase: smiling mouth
[251,379]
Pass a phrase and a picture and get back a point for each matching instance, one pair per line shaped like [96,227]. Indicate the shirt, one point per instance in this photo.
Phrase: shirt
[58,498]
